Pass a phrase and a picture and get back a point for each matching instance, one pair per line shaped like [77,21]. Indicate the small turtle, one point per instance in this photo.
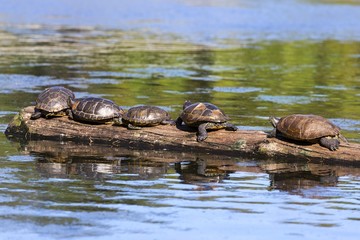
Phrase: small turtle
[52,102]
[140,116]
[204,116]
[95,110]
[308,128]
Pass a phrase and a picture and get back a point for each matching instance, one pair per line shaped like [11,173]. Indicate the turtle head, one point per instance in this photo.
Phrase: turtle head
[274,121]
[70,101]
[186,104]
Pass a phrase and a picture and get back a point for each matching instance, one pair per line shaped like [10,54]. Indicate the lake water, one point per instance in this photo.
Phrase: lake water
[253,59]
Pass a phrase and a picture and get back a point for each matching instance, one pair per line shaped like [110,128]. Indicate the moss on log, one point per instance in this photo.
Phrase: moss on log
[241,143]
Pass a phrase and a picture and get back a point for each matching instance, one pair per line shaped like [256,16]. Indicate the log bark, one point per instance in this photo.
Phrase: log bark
[242,143]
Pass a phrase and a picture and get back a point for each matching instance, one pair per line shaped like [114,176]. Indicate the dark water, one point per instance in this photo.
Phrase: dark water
[252,58]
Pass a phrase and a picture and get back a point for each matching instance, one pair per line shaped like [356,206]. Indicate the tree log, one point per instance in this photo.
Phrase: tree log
[242,143]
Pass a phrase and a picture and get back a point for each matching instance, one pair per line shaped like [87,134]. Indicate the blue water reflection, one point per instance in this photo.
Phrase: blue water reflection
[203,22]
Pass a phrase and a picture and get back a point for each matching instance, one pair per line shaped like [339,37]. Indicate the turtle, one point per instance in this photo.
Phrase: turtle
[140,116]
[95,110]
[308,128]
[204,116]
[52,102]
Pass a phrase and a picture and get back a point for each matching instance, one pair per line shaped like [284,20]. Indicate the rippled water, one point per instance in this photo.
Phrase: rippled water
[137,198]
[252,58]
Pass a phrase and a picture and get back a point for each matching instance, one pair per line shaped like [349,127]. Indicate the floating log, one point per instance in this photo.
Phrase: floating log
[242,143]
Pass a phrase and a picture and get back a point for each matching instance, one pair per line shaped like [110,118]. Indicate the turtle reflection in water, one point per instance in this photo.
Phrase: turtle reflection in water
[297,181]
[204,116]
[308,128]
[141,116]
[95,110]
[52,102]
[202,173]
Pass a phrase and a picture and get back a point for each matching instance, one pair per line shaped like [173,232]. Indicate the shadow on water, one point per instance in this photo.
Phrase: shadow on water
[98,162]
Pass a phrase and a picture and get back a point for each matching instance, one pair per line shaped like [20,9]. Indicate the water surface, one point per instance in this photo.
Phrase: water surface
[254,59]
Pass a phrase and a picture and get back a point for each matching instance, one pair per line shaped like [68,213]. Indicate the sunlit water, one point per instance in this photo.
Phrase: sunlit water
[253,59]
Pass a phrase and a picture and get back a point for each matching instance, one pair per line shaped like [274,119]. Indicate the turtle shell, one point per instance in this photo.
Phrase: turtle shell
[199,112]
[54,99]
[146,115]
[92,109]
[306,127]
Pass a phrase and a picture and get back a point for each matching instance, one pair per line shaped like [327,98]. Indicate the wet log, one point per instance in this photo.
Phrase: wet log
[242,143]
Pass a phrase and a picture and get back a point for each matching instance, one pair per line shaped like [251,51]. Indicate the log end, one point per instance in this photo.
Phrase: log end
[17,127]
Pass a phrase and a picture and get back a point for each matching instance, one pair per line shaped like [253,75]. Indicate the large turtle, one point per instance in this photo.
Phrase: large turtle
[140,116]
[52,102]
[204,116]
[95,110]
[308,128]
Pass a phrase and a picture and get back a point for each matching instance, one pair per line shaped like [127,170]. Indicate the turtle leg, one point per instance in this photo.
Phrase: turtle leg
[202,133]
[330,143]
[132,127]
[37,114]
[49,115]
[71,116]
[272,134]
[230,127]
[168,122]
[178,122]
[118,121]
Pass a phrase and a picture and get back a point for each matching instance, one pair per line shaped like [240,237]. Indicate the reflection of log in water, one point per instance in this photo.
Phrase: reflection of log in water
[223,143]
[72,160]
[296,181]
[96,170]
[103,169]
[298,178]
[96,161]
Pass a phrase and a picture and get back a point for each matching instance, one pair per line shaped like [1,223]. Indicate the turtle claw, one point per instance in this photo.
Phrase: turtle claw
[333,148]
